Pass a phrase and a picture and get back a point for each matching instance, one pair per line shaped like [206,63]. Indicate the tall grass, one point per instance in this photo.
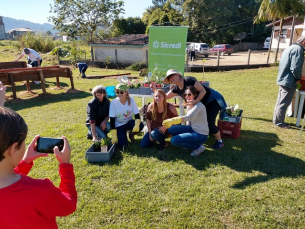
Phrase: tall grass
[38,42]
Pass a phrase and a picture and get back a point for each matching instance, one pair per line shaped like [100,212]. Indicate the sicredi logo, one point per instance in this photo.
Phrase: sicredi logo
[156,45]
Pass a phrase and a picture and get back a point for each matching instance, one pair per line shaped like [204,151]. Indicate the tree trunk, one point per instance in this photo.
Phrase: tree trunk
[278,43]
[270,45]
[292,31]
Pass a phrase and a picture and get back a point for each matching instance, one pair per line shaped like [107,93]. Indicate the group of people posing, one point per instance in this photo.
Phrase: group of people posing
[121,115]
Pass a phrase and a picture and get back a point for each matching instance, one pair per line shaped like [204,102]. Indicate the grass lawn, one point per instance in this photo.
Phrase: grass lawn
[256,181]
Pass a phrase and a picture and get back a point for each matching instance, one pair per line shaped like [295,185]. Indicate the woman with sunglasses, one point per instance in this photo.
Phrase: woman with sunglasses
[98,114]
[195,133]
[121,114]
[158,111]
[211,99]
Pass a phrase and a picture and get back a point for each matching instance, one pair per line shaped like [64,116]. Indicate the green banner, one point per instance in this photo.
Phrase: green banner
[167,48]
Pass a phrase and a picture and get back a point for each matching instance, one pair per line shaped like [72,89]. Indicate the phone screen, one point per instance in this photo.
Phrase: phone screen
[46,145]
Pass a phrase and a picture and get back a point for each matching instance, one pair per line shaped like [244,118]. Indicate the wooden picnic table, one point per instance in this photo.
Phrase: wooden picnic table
[10,76]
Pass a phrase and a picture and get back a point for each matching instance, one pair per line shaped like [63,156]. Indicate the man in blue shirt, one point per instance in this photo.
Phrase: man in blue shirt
[289,76]
[82,69]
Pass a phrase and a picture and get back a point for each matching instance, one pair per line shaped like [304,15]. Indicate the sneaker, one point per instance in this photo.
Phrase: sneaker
[218,144]
[84,76]
[89,136]
[131,137]
[198,151]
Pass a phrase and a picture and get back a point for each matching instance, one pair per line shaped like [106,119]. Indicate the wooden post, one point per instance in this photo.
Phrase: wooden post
[91,51]
[71,78]
[57,81]
[58,57]
[218,58]
[28,85]
[249,52]
[13,85]
[270,45]
[43,85]
[116,58]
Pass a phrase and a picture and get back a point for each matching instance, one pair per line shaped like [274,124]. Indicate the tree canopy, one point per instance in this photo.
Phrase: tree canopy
[130,25]
[83,17]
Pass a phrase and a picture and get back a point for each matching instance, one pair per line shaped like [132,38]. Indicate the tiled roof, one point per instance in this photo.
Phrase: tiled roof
[127,39]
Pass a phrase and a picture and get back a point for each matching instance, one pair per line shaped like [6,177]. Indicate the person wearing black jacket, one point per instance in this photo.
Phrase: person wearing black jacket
[98,114]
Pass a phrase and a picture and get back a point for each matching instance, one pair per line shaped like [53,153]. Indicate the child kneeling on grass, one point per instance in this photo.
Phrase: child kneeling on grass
[27,202]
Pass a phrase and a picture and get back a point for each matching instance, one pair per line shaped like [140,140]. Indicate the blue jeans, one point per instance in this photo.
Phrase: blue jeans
[100,133]
[121,132]
[35,63]
[156,135]
[184,137]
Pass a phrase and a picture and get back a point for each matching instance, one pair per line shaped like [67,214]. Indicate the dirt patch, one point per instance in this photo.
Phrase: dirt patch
[236,58]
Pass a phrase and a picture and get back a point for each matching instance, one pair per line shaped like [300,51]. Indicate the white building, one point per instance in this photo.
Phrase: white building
[125,49]
[2,29]
[284,37]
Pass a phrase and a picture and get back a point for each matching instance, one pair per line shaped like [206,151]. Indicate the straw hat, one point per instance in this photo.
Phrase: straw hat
[169,73]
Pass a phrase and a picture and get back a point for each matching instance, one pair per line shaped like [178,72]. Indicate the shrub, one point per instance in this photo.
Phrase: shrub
[137,66]
[38,42]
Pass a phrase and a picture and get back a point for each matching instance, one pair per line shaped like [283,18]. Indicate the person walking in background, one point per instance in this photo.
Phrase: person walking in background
[288,78]
[33,56]
[27,202]
[82,69]
[98,114]
[158,111]
[121,114]
[195,133]
[211,99]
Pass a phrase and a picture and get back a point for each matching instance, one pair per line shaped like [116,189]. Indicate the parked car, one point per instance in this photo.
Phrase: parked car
[200,48]
[223,49]
[267,43]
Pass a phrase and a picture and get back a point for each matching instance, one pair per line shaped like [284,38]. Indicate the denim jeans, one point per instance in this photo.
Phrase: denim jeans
[100,133]
[184,137]
[156,135]
[121,132]
[35,63]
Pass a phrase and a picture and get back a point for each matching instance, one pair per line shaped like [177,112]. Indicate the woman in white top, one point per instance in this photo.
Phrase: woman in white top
[193,135]
[121,114]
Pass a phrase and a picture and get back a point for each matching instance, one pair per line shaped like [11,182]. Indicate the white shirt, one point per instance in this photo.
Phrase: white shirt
[122,113]
[33,55]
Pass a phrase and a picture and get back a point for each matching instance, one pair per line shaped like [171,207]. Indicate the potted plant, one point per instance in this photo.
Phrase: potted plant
[156,76]
[133,86]
[101,150]
[230,126]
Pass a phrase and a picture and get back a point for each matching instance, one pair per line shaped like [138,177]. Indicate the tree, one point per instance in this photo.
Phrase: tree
[218,21]
[273,9]
[82,17]
[130,25]
[167,14]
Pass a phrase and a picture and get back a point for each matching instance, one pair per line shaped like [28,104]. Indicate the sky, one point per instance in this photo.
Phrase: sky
[37,11]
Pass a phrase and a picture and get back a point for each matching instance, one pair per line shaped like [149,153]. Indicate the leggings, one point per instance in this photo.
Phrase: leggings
[213,109]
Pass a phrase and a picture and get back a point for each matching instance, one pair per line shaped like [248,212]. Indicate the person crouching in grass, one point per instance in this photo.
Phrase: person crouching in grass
[27,202]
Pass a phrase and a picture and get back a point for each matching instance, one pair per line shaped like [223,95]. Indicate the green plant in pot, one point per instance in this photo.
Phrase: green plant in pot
[102,144]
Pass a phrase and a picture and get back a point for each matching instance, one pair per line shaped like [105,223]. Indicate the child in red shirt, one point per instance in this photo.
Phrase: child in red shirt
[27,202]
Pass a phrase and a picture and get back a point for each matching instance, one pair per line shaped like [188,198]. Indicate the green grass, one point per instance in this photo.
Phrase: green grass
[256,181]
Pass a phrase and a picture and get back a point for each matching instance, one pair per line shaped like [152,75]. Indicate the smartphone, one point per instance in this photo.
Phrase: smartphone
[46,145]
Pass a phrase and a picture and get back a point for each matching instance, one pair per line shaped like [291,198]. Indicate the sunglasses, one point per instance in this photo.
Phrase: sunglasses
[187,95]
[119,92]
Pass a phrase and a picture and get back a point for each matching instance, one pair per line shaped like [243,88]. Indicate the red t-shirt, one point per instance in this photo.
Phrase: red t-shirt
[35,203]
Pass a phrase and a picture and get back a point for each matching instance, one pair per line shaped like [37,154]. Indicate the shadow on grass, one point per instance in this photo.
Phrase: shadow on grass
[251,152]
[27,99]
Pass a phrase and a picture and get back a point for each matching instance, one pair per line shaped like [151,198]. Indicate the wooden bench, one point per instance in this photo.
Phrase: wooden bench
[10,76]
[13,64]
